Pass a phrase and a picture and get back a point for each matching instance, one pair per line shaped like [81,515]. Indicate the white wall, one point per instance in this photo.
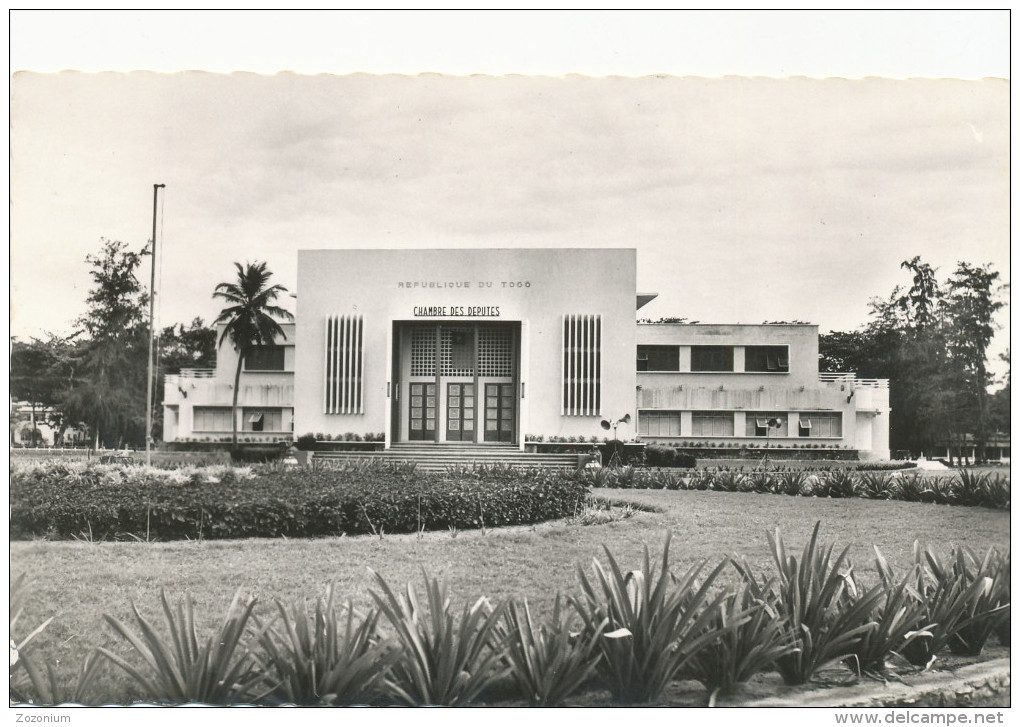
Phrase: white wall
[535,287]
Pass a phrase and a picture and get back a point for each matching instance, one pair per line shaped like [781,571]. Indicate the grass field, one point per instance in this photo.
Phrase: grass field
[77,582]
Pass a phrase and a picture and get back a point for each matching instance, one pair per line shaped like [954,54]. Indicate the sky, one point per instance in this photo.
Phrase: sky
[748,198]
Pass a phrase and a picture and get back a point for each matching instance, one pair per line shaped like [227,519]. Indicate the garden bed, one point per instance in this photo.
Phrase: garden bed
[74,499]
[78,582]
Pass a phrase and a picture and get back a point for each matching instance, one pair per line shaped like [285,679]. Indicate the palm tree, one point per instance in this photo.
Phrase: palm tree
[249,318]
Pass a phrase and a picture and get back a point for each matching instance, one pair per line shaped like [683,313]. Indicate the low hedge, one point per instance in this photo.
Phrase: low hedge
[661,455]
[64,500]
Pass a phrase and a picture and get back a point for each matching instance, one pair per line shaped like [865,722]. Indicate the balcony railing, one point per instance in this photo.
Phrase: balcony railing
[197,374]
[850,377]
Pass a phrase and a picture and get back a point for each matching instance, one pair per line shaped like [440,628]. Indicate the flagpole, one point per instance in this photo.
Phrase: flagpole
[152,299]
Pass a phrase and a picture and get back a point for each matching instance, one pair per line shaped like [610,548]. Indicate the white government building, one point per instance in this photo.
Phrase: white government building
[499,346]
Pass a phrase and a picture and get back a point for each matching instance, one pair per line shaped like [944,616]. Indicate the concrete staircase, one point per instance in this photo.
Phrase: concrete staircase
[439,457]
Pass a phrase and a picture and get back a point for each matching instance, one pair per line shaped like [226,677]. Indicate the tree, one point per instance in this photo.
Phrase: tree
[249,319]
[931,342]
[971,302]
[998,404]
[31,378]
[190,347]
[107,387]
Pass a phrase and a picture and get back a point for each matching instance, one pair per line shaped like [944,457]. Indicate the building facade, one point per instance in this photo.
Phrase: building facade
[480,346]
[197,403]
[753,385]
[499,346]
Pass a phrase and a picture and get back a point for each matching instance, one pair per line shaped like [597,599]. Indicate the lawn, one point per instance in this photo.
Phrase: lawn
[77,582]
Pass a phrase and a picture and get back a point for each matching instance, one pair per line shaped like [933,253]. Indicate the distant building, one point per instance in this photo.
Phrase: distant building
[197,402]
[25,418]
[996,449]
[494,346]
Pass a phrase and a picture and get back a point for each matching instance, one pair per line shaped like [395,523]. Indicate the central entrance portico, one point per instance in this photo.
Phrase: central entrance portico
[456,381]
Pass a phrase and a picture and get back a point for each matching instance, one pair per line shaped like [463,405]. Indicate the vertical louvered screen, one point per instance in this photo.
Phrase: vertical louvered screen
[343,389]
[582,365]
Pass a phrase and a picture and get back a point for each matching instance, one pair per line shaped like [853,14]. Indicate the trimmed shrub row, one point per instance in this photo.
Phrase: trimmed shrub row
[75,499]
[632,632]
[964,488]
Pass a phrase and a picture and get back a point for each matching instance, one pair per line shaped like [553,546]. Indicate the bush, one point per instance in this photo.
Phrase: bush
[306,442]
[661,455]
[257,455]
[63,500]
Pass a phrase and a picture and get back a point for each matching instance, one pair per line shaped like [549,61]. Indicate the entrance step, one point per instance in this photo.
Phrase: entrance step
[440,457]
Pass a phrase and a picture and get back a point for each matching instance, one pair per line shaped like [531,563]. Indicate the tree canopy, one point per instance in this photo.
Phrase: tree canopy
[250,318]
[931,341]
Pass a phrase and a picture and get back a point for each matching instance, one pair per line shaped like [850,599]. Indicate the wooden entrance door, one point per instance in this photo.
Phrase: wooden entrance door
[422,412]
[460,412]
[499,412]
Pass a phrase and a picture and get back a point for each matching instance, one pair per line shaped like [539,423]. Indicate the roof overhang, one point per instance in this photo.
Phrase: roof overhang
[644,299]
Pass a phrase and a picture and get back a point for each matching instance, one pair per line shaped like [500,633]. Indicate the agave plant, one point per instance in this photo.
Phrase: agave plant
[912,487]
[983,490]
[898,621]
[840,483]
[324,657]
[957,598]
[548,662]
[877,486]
[43,685]
[989,607]
[792,482]
[183,668]
[443,660]
[654,623]
[726,480]
[821,607]
[753,646]
[761,482]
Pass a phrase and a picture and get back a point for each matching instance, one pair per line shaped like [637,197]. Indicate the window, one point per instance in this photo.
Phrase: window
[820,424]
[262,420]
[264,358]
[766,424]
[659,423]
[582,365]
[658,358]
[767,359]
[711,358]
[712,424]
[211,419]
[342,390]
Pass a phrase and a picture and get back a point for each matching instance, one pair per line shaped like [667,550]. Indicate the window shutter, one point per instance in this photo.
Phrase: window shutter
[343,366]
[582,365]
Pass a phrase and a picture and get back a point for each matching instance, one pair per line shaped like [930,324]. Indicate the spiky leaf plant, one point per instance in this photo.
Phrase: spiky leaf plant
[989,606]
[548,662]
[654,623]
[328,656]
[877,485]
[792,482]
[726,480]
[46,688]
[32,682]
[443,659]
[913,487]
[840,483]
[820,604]
[735,655]
[954,600]
[1002,629]
[899,620]
[180,667]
